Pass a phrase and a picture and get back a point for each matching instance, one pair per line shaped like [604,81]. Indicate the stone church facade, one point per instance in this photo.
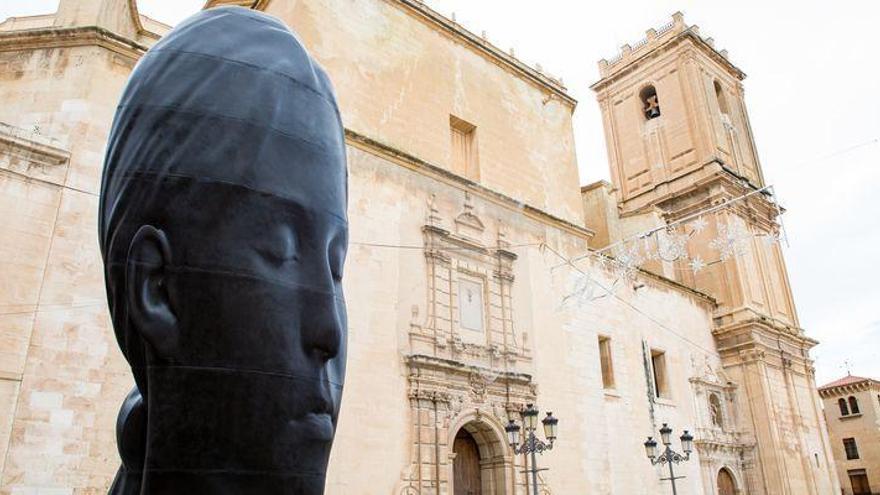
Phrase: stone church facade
[466,214]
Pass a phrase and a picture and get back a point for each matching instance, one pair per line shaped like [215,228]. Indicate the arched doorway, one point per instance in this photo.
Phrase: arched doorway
[466,465]
[481,463]
[726,483]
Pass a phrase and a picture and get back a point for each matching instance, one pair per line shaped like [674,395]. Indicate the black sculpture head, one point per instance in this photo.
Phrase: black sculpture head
[223,230]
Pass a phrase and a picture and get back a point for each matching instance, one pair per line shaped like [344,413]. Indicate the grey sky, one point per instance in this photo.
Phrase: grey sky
[814,100]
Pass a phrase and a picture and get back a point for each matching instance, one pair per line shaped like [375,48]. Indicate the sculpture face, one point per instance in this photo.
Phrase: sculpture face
[261,328]
[224,234]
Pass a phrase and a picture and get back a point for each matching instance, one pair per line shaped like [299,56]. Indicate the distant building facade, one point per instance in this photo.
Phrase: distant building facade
[852,413]
[464,202]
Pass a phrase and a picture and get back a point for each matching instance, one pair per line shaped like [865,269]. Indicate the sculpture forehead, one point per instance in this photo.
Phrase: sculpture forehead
[232,96]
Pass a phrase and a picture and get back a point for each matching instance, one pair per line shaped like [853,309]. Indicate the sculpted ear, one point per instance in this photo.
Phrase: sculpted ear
[149,306]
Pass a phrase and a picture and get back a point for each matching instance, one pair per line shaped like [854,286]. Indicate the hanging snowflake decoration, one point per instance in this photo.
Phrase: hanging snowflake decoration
[672,245]
[699,225]
[732,239]
[773,236]
[628,262]
[697,264]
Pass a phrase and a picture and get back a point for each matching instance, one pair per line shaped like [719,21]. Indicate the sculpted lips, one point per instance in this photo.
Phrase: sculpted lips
[318,423]
[318,426]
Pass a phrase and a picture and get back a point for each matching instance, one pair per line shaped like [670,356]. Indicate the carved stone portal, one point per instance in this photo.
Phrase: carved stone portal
[465,359]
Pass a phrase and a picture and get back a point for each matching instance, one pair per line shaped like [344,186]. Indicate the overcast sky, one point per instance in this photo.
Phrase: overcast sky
[813,94]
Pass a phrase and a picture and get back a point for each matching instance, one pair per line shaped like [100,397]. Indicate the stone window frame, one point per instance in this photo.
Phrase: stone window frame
[606,362]
[464,148]
[854,405]
[660,374]
[851,449]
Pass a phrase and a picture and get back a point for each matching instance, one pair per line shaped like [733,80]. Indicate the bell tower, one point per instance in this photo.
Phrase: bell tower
[682,154]
[673,110]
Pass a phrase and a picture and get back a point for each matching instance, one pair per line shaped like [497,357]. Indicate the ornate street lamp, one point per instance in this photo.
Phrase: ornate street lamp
[669,456]
[531,443]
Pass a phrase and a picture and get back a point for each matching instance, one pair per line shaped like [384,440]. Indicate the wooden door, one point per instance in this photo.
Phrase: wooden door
[466,467]
[859,483]
[726,486]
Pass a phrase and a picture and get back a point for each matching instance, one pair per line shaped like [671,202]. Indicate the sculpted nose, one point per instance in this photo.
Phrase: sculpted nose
[323,329]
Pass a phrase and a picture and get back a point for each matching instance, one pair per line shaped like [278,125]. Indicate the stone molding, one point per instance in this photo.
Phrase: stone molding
[31,155]
[866,385]
[60,37]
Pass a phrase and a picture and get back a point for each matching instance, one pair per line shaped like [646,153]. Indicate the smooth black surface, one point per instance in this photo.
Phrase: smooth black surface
[223,230]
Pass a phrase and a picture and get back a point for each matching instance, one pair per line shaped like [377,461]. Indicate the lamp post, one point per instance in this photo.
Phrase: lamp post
[670,456]
[531,443]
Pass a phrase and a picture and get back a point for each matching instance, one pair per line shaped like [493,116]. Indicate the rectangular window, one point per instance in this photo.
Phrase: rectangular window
[658,364]
[852,451]
[858,478]
[464,148]
[605,360]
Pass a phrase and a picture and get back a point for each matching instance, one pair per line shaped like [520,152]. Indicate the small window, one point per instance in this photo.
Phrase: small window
[650,103]
[853,405]
[605,360]
[721,99]
[715,411]
[658,364]
[852,451]
[464,148]
[844,410]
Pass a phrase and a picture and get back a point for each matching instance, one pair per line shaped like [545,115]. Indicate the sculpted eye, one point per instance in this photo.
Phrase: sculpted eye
[282,247]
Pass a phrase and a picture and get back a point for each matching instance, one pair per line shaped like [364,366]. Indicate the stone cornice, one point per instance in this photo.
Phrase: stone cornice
[689,34]
[712,172]
[55,37]
[407,160]
[420,10]
[702,296]
[760,339]
[865,385]
[481,45]
[457,367]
